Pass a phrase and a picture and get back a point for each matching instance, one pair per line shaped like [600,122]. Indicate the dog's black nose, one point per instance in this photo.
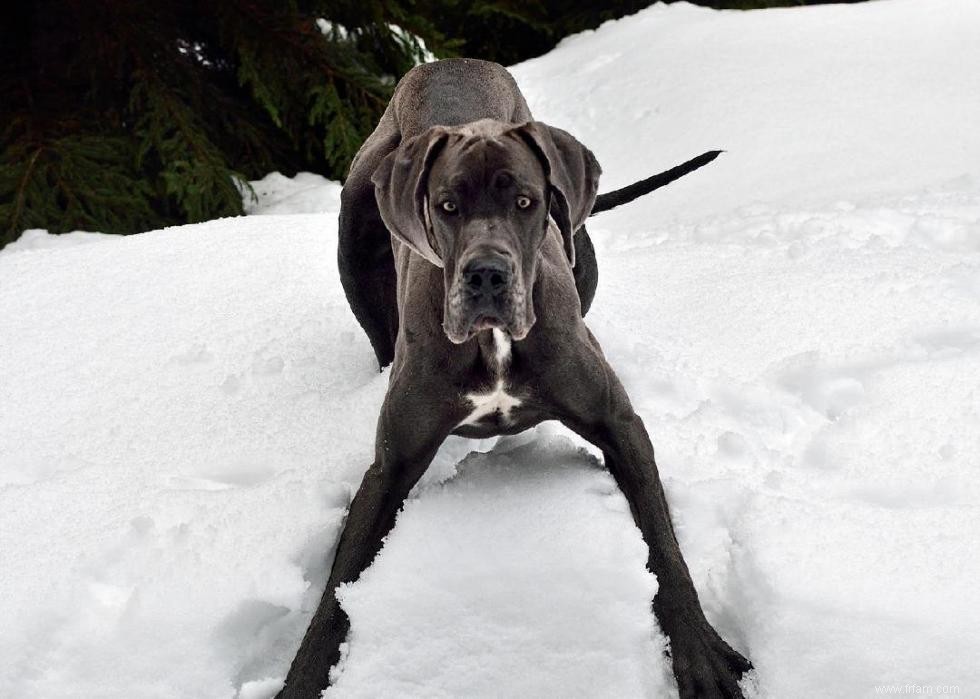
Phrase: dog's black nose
[487,276]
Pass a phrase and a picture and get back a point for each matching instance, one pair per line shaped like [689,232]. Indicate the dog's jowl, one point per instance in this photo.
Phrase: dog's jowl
[464,257]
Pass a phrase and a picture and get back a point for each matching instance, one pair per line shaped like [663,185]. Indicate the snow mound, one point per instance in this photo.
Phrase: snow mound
[40,239]
[306,193]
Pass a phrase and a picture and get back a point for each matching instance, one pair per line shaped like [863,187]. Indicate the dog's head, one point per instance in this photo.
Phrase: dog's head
[477,201]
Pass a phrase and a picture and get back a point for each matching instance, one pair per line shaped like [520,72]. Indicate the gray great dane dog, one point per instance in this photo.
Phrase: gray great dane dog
[463,255]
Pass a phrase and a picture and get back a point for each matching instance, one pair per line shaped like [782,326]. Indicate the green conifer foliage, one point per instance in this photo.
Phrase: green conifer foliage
[122,116]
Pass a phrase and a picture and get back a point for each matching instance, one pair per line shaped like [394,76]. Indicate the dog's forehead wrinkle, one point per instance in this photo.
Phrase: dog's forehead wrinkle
[503,178]
[486,128]
[491,174]
[454,184]
[477,141]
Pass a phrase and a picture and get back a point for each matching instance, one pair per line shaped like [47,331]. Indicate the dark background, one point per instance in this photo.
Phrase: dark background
[122,116]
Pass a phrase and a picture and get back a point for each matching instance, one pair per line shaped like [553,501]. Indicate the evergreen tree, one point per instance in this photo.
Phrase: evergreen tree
[123,116]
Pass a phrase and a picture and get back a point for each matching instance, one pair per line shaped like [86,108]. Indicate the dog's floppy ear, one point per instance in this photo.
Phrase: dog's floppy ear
[400,182]
[573,177]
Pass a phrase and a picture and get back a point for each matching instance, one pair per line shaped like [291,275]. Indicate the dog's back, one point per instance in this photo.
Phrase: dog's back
[453,92]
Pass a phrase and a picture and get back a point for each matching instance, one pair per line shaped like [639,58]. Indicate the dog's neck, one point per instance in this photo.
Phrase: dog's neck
[495,349]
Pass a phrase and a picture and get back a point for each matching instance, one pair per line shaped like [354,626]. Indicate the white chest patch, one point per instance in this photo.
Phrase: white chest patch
[497,400]
[486,404]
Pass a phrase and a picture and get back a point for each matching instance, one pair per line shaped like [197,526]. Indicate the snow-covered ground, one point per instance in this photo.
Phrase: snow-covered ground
[185,413]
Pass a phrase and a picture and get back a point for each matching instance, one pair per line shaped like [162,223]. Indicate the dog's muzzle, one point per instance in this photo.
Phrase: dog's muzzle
[484,297]
[486,285]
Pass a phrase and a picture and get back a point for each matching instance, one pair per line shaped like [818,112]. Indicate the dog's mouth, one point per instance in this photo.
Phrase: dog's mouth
[465,316]
[464,330]
[486,322]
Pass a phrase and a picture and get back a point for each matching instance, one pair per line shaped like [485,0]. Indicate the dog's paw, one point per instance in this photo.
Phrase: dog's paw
[707,667]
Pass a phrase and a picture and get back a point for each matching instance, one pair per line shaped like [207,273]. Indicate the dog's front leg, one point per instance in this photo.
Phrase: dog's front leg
[704,664]
[410,431]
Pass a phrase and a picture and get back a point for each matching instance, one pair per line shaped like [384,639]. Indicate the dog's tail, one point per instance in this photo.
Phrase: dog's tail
[610,200]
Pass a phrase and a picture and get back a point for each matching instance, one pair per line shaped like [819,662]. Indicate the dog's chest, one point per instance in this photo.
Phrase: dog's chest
[494,406]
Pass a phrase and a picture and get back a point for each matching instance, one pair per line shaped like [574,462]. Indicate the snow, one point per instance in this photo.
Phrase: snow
[306,193]
[187,412]
[38,239]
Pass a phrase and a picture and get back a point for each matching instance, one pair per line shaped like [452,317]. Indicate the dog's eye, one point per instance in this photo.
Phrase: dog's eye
[449,207]
[523,202]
